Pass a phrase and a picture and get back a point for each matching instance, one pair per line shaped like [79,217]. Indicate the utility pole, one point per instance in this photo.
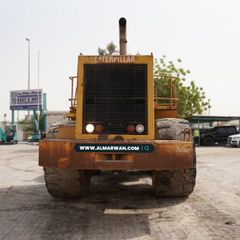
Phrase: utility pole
[38,69]
[28,40]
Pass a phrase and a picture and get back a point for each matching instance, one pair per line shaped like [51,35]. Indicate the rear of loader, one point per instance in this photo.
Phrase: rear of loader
[116,123]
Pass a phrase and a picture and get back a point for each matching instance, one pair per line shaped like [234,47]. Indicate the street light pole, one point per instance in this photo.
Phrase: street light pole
[38,69]
[28,40]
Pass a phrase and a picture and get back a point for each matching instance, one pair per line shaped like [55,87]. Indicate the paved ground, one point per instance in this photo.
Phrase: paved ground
[120,206]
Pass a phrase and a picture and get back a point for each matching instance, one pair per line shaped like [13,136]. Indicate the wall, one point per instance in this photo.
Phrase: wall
[54,117]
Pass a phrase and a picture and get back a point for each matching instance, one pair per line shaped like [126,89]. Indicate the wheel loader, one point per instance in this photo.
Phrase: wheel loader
[117,122]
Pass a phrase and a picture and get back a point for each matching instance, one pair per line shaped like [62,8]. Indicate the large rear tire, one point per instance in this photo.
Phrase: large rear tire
[65,183]
[176,182]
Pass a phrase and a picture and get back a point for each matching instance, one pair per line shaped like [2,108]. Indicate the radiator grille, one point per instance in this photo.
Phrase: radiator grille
[115,95]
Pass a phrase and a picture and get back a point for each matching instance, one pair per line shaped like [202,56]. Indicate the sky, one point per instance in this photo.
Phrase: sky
[204,34]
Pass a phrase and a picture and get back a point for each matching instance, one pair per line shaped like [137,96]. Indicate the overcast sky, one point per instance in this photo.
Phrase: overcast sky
[204,34]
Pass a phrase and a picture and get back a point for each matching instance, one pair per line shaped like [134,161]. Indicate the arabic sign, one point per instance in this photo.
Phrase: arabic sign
[26,99]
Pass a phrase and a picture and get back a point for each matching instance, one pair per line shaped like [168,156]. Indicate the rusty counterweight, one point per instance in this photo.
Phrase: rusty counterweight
[166,155]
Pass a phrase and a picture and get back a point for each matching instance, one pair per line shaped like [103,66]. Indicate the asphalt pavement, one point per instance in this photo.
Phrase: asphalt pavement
[120,206]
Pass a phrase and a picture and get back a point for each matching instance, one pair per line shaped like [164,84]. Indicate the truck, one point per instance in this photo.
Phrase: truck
[218,134]
[117,122]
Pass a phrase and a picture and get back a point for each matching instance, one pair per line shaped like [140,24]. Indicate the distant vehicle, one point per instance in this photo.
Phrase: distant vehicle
[234,140]
[3,137]
[8,134]
[36,136]
[218,135]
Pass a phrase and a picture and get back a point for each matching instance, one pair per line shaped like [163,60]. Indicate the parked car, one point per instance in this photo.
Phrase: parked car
[217,134]
[234,140]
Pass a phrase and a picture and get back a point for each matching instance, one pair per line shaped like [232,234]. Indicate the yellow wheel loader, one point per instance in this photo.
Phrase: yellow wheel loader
[117,123]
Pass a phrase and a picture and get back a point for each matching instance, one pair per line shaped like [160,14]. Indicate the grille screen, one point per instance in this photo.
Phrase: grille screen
[115,95]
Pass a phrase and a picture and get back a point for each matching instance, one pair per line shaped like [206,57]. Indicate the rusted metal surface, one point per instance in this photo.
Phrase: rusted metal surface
[165,113]
[166,155]
[187,134]
[66,132]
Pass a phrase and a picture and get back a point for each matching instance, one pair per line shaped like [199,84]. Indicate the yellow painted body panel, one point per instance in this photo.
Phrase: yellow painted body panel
[110,60]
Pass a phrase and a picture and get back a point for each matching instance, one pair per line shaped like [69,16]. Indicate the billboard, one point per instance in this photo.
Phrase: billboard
[26,99]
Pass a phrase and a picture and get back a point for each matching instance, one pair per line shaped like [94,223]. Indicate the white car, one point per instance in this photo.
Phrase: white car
[234,140]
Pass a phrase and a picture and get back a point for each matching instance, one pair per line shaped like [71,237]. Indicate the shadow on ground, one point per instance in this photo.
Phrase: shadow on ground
[117,207]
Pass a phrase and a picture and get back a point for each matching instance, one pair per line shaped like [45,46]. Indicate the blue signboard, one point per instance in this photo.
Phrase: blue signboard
[26,99]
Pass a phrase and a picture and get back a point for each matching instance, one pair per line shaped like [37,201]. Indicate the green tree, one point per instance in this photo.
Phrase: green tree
[27,125]
[191,99]
[111,48]
[41,122]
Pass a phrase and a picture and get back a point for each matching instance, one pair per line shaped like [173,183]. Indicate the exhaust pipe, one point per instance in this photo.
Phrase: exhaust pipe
[123,36]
